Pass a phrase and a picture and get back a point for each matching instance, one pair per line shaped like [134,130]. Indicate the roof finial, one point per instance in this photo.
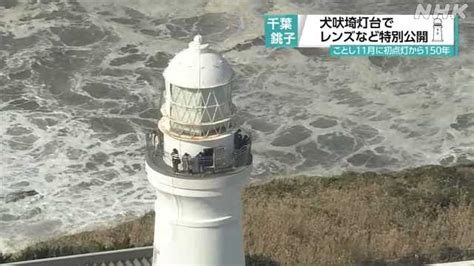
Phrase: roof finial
[198,39]
[197,43]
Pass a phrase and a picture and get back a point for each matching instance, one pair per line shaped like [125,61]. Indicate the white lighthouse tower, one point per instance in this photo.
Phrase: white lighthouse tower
[437,30]
[198,205]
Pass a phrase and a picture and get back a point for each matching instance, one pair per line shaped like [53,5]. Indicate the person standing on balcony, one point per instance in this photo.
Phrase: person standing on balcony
[156,141]
[244,150]
[175,160]
[200,160]
[186,163]
[194,164]
[245,140]
[237,139]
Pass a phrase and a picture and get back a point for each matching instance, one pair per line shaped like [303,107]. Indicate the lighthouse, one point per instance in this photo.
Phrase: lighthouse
[437,30]
[198,160]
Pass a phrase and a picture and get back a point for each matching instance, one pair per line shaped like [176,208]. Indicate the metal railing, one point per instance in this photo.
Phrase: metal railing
[198,164]
[133,256]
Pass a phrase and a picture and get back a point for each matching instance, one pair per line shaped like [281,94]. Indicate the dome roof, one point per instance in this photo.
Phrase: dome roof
[198,67]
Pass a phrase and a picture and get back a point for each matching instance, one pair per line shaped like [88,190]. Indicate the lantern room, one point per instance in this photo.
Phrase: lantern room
[198,94]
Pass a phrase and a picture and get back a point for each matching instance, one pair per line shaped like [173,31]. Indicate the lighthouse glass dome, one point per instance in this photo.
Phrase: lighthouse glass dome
[200,112]
[198,95]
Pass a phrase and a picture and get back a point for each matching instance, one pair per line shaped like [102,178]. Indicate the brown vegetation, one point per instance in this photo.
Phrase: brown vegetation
[410,217]
[415,216]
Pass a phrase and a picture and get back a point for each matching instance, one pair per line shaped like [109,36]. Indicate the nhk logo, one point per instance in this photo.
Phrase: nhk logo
[457,10]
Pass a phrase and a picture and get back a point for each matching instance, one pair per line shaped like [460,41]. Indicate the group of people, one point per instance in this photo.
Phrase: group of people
[200,162]
[190,165]
[239,140]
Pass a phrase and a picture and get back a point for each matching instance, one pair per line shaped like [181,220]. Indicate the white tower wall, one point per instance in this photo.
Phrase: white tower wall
[198,220]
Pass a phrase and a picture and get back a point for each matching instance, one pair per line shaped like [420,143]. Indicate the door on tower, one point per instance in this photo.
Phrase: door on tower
[219,158]
[208,155]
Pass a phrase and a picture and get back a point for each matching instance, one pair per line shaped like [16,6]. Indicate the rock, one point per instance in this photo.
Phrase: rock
[16,196]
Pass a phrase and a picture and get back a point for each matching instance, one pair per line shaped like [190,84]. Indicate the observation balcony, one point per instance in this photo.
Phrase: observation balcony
[198,166]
